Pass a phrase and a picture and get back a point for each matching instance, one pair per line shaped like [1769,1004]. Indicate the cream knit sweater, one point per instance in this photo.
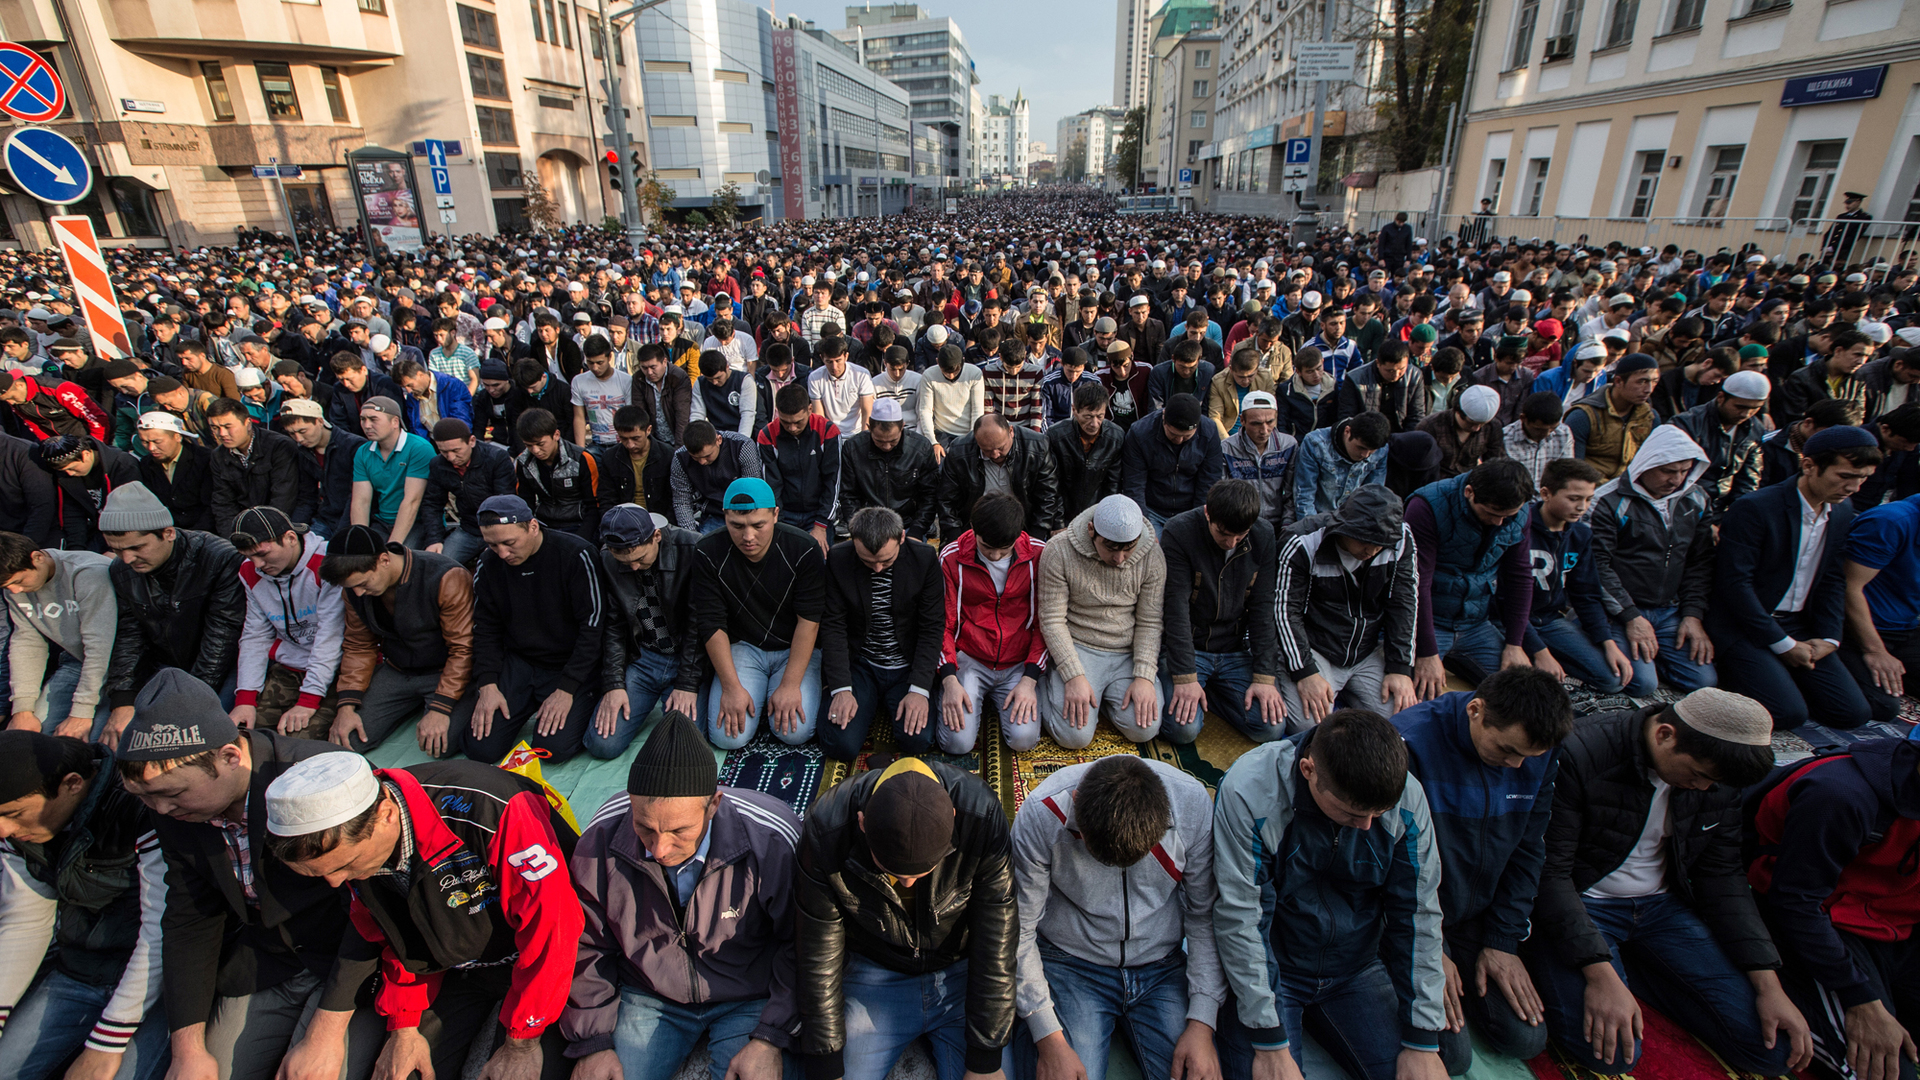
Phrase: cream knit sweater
[1083,601]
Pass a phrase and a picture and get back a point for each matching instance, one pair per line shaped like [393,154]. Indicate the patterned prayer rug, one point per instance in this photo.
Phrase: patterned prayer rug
[1208,757]
[1666,1053]
[990,760]
[792,774]
[1035,765]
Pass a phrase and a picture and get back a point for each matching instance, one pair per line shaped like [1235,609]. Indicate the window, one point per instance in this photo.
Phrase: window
[1200,88]
[1816,179]
[1203,58]
[598,38]
[1759,6]
[1620,22]
[566,25]
[336,98]
[1198,119]
[503,170]
[1646,184]
[1496,177]
[479,27]
[1523,34]
[539,31]
[1720,182]
[1560,46]
[1536,184]
[511,214]
[657,120]
[496,125]
[678,174]
[276,85]
[1193,149]
[488,74]
[217,94]
[1686,15]
[548,101]
[376,7]
[666,67]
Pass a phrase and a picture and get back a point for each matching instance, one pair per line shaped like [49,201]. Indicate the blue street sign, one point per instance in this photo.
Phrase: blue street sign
[437,153]
[1299,151]
[1856,85]
[47,166]
[1186,176]
[437,166]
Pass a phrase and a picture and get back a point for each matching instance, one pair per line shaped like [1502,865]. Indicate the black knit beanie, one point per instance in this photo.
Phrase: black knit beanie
[675,762]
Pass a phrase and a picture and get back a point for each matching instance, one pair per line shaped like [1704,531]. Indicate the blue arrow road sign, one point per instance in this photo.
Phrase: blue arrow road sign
[1299,151]
[47,166]
[437,165]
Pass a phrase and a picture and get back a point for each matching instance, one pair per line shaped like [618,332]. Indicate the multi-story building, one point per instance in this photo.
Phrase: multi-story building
[1005,150]
[176,103]
[1086,142]
[1717,121]
[1259,102]
[832,141]
[1132,52]
[927,57]
[1179,115]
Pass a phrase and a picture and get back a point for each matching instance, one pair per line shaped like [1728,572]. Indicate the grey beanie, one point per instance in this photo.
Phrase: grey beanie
[134,508]
[1371,515]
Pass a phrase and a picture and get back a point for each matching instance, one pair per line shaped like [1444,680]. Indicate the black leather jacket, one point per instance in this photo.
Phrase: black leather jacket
[195,626]
[1085,476]
[1029,465]
[906,481]
[620,633]
[848,906]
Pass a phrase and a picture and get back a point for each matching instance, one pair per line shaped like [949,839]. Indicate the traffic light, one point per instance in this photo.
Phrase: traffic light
[613,169]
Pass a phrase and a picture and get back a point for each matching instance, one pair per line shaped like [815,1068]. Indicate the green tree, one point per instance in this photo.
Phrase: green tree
[1073,164]
[1427,47]
[654,195]
[726,205]
[1126,154]
[542,212]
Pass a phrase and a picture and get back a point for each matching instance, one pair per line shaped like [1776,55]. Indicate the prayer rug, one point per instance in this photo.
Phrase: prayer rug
[1666,1053]
[990,760]
[1035,765]
[1208,757]
[792,774]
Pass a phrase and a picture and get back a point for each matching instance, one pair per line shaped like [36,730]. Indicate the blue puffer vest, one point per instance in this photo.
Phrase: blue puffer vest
[1468,557]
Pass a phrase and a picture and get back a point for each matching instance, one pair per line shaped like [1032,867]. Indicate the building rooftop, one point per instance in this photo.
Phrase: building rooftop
[1177,17]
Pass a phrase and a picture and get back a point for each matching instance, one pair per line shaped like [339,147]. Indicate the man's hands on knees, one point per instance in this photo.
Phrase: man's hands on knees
[1194,1057]
[190,1059]
[1419,1065]
[842,709]
[1079,701]
[322,1051]
[1612,1023]
[487,705]
[1189,700]
[1503,970]
[1275,1065]
[94,1065]
[602,1065]
[406,1052]
[955,705]
[608,714]
[1058,1060]
[912,713]
[1266,699]
[1780,1017]
[1450,995]
[758,1060]
[553,713]
[517,1059]
[1877,1042]
[1429,677]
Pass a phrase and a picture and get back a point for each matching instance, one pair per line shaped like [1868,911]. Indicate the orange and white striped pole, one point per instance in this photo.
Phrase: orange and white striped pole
[92,289]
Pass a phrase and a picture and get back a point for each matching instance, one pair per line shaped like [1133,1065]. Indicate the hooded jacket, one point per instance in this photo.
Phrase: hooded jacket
[187,614]
[996,628]
[732,941]
[1086,602]
[1030,473]
[1654,553]
[849,907]
[1491,823]
[1217,601]
[1733,457]
[1321,607]
[1357,896]
[1830,849]
[296,620]
[60,409]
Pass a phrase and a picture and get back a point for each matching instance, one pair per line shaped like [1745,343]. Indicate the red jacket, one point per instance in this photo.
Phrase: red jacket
[489,884]
[42,410]
[998,629]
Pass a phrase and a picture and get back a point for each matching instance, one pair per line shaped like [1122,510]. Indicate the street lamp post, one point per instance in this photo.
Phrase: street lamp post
[616,112]
[1306,225]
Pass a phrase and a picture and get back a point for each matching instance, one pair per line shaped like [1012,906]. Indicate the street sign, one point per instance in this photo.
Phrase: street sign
[437,165]
[142,105]
[953,207]
[1294,183]
[1186,176]
[1329,60]
[91,287]
[32,91]
[1299,151]
[449,217]
[47,166]
[444,202]
[268,172]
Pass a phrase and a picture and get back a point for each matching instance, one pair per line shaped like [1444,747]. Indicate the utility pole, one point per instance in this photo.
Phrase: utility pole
[617,140]
[1306,225]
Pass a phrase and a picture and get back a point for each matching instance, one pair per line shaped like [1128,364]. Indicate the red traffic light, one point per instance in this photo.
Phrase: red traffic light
[613,157]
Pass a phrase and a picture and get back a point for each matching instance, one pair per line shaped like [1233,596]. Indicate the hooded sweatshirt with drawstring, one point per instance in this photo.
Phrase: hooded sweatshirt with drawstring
[1654,552]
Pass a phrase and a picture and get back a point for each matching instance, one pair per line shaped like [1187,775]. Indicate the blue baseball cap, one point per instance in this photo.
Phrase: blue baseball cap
[749,493]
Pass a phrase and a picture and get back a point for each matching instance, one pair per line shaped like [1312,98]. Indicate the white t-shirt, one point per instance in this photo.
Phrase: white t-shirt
[840,398]
[1644,873]
[997,569]
[602,398]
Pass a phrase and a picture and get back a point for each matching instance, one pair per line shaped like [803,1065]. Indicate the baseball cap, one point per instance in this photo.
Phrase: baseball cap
[263,524]
[626,526]
[1118,519]
[1258,399]
[749,493]
[504,510]
[305,408]
[384,404]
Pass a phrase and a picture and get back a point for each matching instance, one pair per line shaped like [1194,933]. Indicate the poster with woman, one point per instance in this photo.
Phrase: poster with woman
[387,200]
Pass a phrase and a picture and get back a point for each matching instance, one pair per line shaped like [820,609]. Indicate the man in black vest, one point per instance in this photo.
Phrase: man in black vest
[408,642]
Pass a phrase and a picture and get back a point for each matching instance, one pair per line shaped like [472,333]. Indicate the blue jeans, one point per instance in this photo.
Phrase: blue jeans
[760,672]
[1668,957]
[886,1010]
[462,546]
[653,1036]
[1355,1018]
[1147,1003]
[712,525]
[650,678]
[1672,664]
[877,693]
[52,1023]
[1471,645]
[1583,658]
[57,694]
[1225,677]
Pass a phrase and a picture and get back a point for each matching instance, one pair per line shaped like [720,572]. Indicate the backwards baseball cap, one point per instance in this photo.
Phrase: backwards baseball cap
[908,819]
[319,793]
[626,526]
[504,510]
[1258,399]
[176,716]
[383,404]
[749,493]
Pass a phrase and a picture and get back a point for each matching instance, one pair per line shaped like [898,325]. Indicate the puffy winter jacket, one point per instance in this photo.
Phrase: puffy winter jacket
[1647,559]
[997,628]
[849,907]
[193,625]
[1467,561]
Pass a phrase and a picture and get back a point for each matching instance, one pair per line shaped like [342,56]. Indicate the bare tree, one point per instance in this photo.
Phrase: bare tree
[542,211]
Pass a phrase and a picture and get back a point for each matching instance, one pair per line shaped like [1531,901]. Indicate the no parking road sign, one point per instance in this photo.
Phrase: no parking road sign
[31,91]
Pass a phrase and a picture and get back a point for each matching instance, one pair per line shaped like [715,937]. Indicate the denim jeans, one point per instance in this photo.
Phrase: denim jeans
[760,672]
[1502,1028]
[711,525]
[1584,658]
[1672,664]
[886,1010]
[650,678]
[1147,1004]
[877,693]
[1225,677]
[56,697]
[52,1023]
[1355,1019]
[1667,957]
[1475,647]
[653,1036]
[462,546]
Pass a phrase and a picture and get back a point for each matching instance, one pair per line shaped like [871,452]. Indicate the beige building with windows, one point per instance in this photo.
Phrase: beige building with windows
[1186,54]
[1713,122]
[175,103]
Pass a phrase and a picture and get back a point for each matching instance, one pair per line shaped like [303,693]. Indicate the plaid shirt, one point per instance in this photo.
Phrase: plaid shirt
[456,363]
[239,848]
[643,328]
[1535,455]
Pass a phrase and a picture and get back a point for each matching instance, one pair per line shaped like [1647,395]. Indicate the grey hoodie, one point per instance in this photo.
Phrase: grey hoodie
[76,611]
[1118,917]
[1654,553]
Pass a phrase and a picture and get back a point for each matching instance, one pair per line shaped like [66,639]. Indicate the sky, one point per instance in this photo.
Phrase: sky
[1058,52]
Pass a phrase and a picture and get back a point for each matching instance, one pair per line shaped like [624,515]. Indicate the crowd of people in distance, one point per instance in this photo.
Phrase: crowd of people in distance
[932,483]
